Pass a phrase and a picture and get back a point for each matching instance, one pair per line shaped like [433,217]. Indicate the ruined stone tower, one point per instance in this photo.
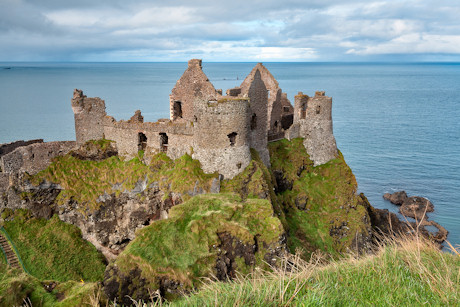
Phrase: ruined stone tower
[221,139]
[313,122]
[89,116]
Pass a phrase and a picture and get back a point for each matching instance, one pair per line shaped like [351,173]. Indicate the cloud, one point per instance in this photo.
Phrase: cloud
[318,30]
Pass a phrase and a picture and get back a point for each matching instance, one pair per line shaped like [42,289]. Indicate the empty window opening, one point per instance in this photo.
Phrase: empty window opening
[286,109]
[232,138]
[141,141]
[163,141]
[177,110]
[318,109]
[268,93]
[253,121]
[276,125]
[303,112]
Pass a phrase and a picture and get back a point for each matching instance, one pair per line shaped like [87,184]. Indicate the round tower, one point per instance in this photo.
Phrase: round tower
[221,137]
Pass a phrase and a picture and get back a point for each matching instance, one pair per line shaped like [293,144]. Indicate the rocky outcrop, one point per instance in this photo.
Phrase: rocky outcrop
[110,226]
[416,207]
[208,235]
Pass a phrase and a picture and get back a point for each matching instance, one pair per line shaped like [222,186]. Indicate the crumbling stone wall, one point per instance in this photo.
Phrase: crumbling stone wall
[9,147]
[221,139]
[192,85]
[89,115]
[35,157]
[126,134]
[313,122]
[258,121]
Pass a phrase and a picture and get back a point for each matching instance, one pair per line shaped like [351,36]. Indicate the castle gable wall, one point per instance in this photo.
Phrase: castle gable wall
[258,124]
[192,85]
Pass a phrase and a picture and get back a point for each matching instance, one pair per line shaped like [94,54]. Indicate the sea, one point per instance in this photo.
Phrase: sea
[397,124]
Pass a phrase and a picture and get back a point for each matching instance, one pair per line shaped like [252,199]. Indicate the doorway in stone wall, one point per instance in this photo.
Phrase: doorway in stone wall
[163,142]
[141,142]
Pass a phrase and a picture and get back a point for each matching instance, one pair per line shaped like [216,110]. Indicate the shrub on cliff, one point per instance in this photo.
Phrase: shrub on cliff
[209,235]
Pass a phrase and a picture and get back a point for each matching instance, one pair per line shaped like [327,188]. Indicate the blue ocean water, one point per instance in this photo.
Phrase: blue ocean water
[396,124]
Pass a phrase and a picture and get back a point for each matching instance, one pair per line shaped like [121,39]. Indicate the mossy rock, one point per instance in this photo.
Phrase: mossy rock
[322,209]
[209,235]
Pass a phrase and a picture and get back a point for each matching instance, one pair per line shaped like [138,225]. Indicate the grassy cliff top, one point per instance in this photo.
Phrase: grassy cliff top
[409,272]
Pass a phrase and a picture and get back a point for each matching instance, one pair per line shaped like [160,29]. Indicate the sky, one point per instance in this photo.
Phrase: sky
[230,30]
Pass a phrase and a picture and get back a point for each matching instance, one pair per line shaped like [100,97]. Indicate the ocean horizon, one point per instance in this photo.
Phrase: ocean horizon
[397,124]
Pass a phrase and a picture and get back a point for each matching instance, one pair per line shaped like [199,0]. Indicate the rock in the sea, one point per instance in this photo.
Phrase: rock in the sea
[416,207]
[396,198]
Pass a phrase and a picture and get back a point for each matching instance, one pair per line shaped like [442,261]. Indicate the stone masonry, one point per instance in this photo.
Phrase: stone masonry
[218,130]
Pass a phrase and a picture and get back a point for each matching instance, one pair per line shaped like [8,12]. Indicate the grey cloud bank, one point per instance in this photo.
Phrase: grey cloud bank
[267,30]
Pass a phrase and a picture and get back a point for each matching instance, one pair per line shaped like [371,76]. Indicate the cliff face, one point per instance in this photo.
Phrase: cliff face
[258,215]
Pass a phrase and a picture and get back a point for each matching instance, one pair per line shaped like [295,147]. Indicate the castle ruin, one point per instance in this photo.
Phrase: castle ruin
[216,129]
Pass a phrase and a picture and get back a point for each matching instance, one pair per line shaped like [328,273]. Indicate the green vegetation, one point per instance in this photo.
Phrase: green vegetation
[19,289]
[52,249]
[84,181]
[185,247]
[322,209]
[405,273]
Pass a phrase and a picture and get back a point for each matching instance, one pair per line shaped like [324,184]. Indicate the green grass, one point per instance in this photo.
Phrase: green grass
[408,273]
[84,181]
[18,289]
[184,247]
[52,249]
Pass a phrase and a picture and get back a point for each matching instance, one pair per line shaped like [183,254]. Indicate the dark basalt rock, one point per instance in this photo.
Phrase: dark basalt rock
[416,207]
[396,198]
[231,247]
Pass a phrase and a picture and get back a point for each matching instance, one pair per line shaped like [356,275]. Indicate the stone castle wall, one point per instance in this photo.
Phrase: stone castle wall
[35,157]
[9,147]
[221,139]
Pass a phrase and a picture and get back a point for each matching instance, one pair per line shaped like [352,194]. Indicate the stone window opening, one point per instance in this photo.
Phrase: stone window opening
[232,138]
[163,142]
[303,113]
[318,109]
[177,110]
[268,93]
[286,109]
[141,141]
[253,121]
